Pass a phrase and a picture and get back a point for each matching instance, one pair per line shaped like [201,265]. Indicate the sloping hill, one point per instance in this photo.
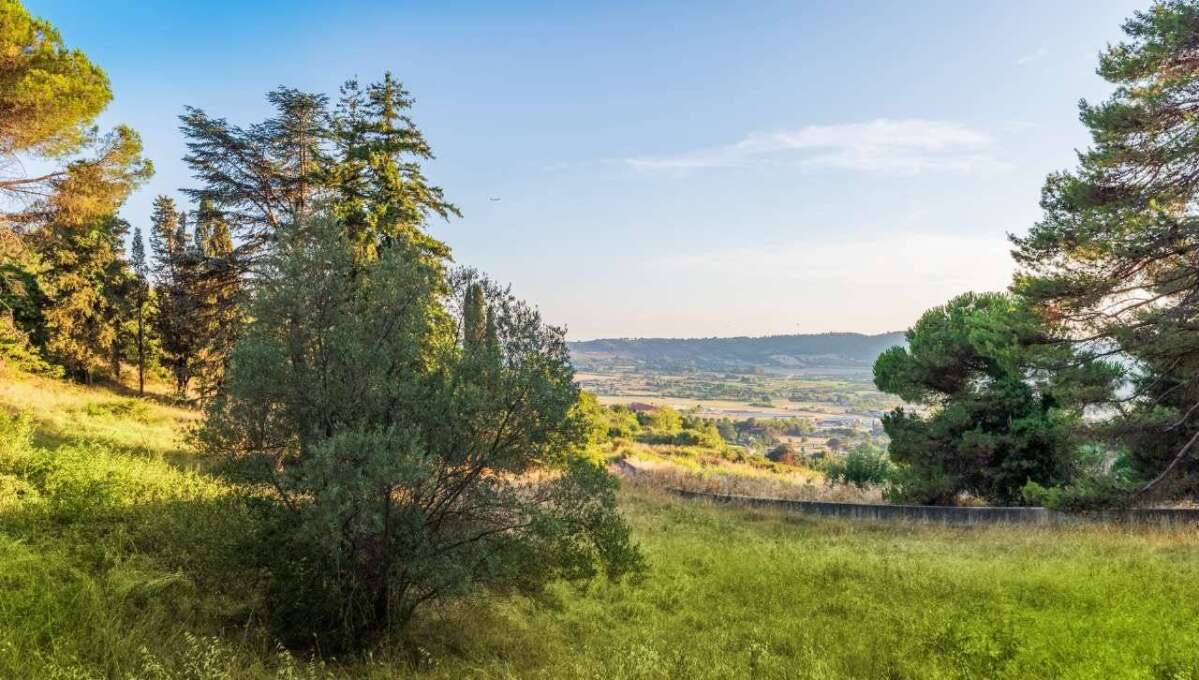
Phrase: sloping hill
[823,350]
[124,554]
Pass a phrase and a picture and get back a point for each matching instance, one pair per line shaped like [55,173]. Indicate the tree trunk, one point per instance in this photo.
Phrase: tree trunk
[141,353]
[115,358]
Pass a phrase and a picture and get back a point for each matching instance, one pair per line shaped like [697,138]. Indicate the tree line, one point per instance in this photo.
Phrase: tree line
[1079,386]
[402,430]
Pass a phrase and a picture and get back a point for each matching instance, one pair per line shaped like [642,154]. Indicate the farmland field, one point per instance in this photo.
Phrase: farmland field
[849,400]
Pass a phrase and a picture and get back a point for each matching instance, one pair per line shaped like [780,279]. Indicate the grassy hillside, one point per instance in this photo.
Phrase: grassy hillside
[119,547]
[815,351]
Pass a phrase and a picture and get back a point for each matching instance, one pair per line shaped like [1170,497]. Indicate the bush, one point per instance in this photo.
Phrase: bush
[700,432]
[421,437]
[662,420]
[864,466]
[783,453]
[1102,482]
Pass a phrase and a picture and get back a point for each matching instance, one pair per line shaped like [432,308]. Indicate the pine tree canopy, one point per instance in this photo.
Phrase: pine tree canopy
[1113,259]
[359,159]
[49,97]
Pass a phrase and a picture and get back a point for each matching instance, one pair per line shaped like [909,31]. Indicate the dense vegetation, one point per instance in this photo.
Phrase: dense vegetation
[393,432]
[1005,403]
[370,457]
[1108,273]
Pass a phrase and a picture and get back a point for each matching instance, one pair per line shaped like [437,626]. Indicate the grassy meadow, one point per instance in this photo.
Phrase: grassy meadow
[119,547]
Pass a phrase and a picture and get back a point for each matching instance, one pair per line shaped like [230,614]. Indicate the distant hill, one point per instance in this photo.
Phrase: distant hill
[775,352]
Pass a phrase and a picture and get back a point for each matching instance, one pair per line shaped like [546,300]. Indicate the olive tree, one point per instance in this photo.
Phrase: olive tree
[404,465]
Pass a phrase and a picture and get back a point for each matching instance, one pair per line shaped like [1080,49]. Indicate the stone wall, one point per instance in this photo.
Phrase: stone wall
[952,515]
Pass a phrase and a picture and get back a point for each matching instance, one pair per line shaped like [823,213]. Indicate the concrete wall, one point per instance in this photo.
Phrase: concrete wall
[951,515]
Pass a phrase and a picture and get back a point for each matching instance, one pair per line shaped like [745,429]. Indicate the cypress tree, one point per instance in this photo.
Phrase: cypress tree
[175,317]
[141,294]
[492,338]
[84,280]
[474,318]
[219,287]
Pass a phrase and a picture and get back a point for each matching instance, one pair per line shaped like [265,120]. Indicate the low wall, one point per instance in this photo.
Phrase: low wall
[951,515]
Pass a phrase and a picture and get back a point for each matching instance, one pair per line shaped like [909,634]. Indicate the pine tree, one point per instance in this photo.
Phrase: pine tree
[361,160]
[1113,258]
[380,190]
[50,97]
[49,100]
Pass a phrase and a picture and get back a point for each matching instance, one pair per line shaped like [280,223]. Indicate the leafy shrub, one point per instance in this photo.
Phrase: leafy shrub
[662,420]
[864,466]
[783,453]
[1103,480]
[414,454]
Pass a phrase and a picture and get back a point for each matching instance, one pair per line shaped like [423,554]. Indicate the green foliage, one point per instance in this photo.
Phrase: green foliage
[864,465]
[22,301]
[783,453]
[621,422]
[62,284]
[1000,416]
[403,460]
[140,296]
[1105,480]
[662,420]
[219,298]
[697,431]
[360,160]
[1112,258]
[85,282]
[177,313]
[49,93]
[474,318]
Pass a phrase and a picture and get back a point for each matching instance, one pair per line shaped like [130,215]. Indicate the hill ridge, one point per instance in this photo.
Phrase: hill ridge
[832,349]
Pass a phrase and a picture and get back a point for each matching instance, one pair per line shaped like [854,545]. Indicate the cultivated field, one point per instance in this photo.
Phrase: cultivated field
[849,400]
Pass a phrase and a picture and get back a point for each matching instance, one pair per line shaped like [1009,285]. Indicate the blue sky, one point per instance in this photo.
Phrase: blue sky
[674,168]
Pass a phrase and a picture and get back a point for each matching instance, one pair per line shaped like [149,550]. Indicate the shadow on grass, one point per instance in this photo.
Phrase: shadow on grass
[124,390]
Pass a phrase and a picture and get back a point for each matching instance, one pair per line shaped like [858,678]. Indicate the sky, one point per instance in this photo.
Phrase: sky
[675,168]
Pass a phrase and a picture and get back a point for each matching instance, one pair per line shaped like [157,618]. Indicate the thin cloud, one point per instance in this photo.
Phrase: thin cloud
[908,146]
[958,261]
[1037,55]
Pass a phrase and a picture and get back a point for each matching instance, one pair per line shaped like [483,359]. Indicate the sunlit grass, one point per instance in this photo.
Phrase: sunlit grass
[118,560]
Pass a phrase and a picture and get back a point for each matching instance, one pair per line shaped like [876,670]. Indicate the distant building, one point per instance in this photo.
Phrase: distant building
[840,421]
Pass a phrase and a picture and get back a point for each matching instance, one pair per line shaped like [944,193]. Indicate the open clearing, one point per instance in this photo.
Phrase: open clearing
[113,563]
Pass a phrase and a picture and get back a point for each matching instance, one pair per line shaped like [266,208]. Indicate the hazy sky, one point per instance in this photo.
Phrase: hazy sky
[676,168]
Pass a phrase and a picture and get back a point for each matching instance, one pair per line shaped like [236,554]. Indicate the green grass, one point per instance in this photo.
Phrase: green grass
[117,560]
